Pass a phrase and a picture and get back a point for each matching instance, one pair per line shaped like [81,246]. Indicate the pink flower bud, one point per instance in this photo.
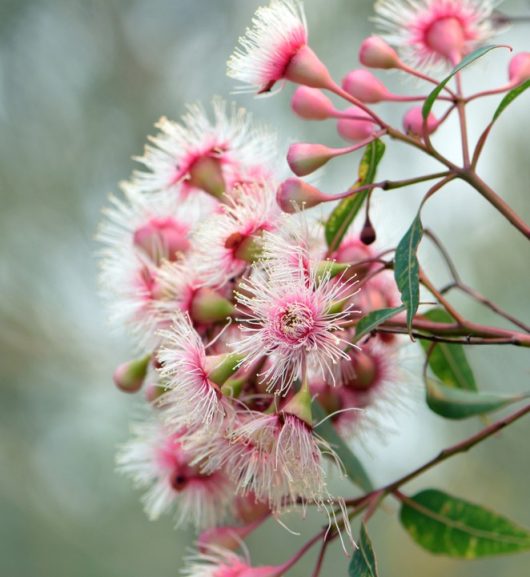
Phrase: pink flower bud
[364,86]
[376,53]
[162,238]
[208,306]
[311,104]
[129,377]
[153,391]
[519,68]
[358,128]
[307,69]
[295,194]
[413,122]
[305,158]
[226,537]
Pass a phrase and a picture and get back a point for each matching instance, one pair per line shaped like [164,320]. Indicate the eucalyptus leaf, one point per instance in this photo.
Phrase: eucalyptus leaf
[448,360]
[345,212]
[351,464]
[509,98]
[406,269]
[471,57]
[369,322]
[447,525]
[363,562]
[457,404]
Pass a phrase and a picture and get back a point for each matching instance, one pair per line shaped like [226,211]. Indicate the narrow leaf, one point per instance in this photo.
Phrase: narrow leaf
[447,525]
[363,563]
[369,322]
[352,466]
[448,361]
[458,404]
[406,269]
[345,212]
[509,98]
[475,55]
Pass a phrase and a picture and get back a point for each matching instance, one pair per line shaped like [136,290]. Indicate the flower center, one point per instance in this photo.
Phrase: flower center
[295,322]
[447,37]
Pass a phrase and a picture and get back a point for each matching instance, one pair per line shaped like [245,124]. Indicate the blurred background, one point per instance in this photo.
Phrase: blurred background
[81,84]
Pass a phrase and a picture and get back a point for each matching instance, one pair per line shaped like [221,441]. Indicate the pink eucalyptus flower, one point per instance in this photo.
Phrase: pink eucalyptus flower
[433,32]
[201,154]
[156,460]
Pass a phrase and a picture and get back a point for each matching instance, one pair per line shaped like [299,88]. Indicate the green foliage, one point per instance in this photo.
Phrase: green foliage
[453,403]
[345,212]
[363,563]
[448,361]
[475,55]
[351,464]
[447,525]
[406,269]
[370,321]
[509,98]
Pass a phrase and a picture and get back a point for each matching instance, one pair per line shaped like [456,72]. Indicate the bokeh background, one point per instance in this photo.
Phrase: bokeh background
[81,84]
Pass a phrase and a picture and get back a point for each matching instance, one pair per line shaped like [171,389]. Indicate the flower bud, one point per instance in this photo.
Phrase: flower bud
[206,173]
[376,53]
[153,392]
[162,238]
[364,86]
[368,234]
[413,122]
[311,104]
[129,377]
[304,158]
[208,306]
[356,129]
[226,537]
[221,367]
[294,194]
[307,69]
[519,68]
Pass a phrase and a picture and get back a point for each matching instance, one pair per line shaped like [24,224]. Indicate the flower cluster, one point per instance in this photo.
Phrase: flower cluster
[243,306]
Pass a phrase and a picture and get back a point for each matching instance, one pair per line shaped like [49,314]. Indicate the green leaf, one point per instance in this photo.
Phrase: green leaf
[352,466]
[448,361]
[375,318]
[363,563]
[345,212]
[475,55]
[509,98]
[458,404]
[406,269]
[446,525]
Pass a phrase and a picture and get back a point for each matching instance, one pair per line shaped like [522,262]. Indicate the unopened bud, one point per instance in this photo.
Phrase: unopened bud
[153,392]
[129,377]
[304,158]
[300,406]
[162,238]
[221,367]
[519,68]
[206,173]
[356,129]
[311,104]
[225,537]
[364,86]
[413,122]
[208,306]
[307,69]
[330,268]
[368,234]
[376,53]
[294,194]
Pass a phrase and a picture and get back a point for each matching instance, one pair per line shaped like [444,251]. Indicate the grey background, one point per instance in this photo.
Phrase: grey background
[81,84]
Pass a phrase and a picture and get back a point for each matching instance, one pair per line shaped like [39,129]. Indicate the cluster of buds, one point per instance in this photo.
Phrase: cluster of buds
[243,316]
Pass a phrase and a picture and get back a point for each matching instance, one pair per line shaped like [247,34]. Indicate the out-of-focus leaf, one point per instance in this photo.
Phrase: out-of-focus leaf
[475,55]
[447,525]
[509,98]
[447,360]
[344,213]
[458,404]
[363,562]
[369,322]
[406,269]
[352,466]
